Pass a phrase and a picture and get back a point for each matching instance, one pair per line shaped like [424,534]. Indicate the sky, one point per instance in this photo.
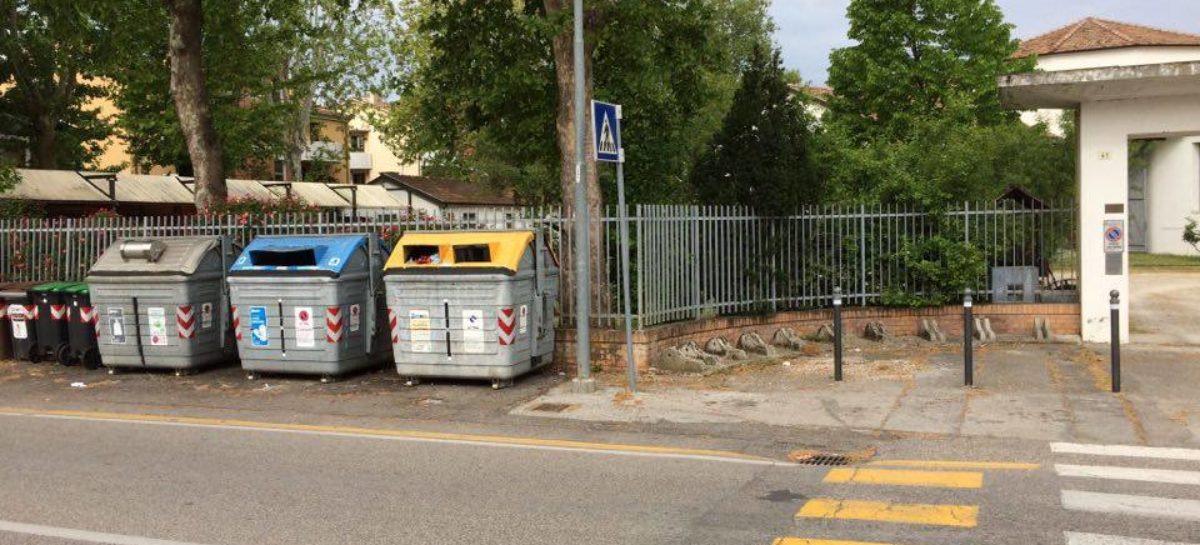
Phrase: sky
[809,29]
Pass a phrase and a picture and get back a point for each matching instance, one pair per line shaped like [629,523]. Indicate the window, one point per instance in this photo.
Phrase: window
[314,132]
[358,141]
[468,217]
[279,173]
[358,178]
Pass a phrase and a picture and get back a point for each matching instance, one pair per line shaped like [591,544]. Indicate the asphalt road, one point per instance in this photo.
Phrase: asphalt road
[81,478]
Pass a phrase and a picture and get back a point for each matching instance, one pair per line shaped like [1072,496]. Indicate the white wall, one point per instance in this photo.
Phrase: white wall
[1125,56]
[416,201]
[1105,130]
[382,158]
[1172,194]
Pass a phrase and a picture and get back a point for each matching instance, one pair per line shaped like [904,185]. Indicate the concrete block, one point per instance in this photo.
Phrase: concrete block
[753,342]
[721,347]
[932,331]
[786,337]
[876,331]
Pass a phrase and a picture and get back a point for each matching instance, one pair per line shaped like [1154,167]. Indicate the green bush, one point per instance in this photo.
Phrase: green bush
[940,268]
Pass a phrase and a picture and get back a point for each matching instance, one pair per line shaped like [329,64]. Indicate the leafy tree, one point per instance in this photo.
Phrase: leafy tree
[486,95]
[49,53]
[761,157]
[920,59]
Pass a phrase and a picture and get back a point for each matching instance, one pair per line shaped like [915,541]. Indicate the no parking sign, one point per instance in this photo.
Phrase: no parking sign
[1114,236]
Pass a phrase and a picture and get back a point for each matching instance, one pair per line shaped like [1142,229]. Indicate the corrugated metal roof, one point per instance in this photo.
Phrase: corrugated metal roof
[55,185]
[315,194]
[371,196]
[249,189]
[146,188]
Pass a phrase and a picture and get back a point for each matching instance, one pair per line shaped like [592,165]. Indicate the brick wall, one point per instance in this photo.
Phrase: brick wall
[608,345]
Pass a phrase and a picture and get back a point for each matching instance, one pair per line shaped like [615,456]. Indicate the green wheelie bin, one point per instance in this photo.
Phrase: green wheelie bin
[83,329]
[49,319]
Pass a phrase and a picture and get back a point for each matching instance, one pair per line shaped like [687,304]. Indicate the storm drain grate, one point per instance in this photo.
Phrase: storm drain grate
[551,407]
[820,458]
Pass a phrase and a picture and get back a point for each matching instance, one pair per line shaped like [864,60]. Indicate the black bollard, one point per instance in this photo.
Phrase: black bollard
[1114,309]
[968,340]
[837,334]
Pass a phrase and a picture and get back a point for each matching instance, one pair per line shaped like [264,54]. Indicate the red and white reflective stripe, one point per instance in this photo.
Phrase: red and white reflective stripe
[3,310]
[58,312]
[237,322]
[505,323]
[333,324]
[394,321]
[31,312]
[185,321]
[89,315]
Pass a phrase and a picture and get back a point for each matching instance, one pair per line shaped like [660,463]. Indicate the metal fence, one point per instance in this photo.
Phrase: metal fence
[687,261]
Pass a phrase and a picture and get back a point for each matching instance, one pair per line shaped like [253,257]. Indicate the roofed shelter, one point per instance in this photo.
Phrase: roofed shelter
[1123,83]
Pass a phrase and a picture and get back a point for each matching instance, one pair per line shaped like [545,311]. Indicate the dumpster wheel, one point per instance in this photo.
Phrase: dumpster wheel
[411,381]
[64,356]
[498,383]
[91,359]
[326,379]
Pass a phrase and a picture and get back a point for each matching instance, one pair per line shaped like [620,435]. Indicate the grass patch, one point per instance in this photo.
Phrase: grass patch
[1156,261]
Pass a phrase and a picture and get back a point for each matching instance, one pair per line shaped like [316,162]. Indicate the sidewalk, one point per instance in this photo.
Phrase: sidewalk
[1030,391]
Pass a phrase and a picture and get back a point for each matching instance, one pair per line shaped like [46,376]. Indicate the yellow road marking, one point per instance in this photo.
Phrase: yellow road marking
[954,464]
[964,516]
[803,541]
[563,444]
[901,477]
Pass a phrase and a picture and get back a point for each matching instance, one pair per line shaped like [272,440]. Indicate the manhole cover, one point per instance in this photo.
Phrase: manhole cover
[551,407]
[819,458]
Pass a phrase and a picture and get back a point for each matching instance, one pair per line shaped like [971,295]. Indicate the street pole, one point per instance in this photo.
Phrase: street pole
[583,355]
[837,334]
[630,365]
[1114,309]
[968,339]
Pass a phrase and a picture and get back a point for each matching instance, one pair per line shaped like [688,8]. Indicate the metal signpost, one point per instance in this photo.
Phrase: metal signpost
[606,121]
[583,354]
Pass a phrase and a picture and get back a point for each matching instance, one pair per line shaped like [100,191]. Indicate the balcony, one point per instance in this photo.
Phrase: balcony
[360,160]
[323,151]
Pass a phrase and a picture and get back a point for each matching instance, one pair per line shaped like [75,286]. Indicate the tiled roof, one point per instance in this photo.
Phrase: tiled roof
[447,191]
[1092,34]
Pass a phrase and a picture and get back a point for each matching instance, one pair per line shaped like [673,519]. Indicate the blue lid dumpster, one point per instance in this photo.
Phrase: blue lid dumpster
[162,303]
[310,305]
[471,304]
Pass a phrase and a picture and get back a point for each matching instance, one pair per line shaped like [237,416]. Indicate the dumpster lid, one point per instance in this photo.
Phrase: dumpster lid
[461,249]
[169,255]
[78,288]
[52,286]
[327,254]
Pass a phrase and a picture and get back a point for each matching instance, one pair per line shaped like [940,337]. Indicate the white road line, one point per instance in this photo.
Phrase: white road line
[1080,538]
[1170,476]
[1123,504]
[1127,450]
[83,535]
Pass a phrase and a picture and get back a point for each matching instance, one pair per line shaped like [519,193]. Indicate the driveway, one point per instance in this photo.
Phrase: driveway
[1165,307]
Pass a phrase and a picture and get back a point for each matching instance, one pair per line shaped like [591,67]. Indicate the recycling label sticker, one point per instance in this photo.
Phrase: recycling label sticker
[418,329]
[116,325]
[305,336]
[355,318]
[473,338]
[523,319]
[206,315]
[156,318]
[258,327]
[20,329]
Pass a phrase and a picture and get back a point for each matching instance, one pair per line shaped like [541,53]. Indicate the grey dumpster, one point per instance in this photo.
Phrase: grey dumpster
[471,304]
[310,305]
[162,303]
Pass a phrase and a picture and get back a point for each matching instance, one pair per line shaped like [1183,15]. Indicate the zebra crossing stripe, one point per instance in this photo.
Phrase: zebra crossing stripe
[1082,538]
[1171,476]
[1124,504]
[1127,451]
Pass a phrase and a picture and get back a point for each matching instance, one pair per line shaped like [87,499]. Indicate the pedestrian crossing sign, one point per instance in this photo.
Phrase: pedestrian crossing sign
[606,121]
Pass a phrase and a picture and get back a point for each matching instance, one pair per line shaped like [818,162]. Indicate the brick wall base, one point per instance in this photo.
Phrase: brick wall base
[608,345]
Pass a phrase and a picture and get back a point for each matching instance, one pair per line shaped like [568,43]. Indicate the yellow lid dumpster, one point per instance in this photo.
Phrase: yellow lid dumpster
[471,304]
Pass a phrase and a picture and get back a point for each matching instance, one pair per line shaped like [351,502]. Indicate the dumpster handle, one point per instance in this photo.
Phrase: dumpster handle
[372,245]
[223,304]
[137,332]
[446,310]
[282,331]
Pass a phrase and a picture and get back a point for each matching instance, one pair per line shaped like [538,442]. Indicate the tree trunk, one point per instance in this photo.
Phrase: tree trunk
[45,138]
[190,93]
[563,45]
